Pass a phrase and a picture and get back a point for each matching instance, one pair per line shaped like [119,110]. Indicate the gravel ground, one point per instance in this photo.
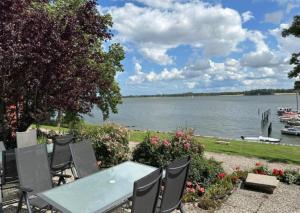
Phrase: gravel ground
[230,162]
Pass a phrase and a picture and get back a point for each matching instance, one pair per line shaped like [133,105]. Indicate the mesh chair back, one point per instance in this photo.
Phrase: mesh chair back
[146,192]
[33,168]
[61,156]
[84,158]
[2,147]
[176,174]
[28,138]
[9,167]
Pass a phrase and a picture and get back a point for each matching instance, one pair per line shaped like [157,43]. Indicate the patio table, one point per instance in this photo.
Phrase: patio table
[99,192]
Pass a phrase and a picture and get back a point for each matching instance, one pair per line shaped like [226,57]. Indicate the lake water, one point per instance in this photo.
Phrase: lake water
[223,116]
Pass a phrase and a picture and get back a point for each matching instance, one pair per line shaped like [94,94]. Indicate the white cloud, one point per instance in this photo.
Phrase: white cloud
[274,17]
[262,56]
[247,16]
[261,59]
[191,85]
[165,75]
[155,30]
[288,44]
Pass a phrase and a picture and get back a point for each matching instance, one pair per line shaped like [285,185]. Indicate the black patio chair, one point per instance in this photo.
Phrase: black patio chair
[176,175]
[146,192]
[84,159]
[34,175]
[9,176]
[61,158]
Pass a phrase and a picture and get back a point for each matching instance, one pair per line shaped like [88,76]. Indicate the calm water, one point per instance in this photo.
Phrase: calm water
[224,116]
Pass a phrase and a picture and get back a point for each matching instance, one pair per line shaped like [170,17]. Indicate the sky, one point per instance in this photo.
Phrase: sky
[178,46]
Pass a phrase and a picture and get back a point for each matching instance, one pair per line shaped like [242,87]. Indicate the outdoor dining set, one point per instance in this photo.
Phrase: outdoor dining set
[40,173]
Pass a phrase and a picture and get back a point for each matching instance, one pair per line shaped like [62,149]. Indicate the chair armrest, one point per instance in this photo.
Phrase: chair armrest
[26,189]
[60,175]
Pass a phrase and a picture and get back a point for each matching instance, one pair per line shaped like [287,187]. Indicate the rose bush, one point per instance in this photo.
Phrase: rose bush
[159,152]
[286,176]
[110,142]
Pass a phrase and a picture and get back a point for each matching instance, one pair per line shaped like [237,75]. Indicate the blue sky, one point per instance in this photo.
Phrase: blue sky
[176,46]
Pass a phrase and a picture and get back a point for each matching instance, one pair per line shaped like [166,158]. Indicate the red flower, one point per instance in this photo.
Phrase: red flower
[200,189]
[275,172]
[258,164]
[280,172]
[221,175]
[179,134]
[187,146]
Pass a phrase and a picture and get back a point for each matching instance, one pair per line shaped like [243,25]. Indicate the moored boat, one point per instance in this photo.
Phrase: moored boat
[261,138]
[291,131]
[282,110]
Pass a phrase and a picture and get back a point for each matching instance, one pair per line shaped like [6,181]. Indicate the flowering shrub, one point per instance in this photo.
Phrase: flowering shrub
[287,176]
[261,169]
[204,172]
[110,142]
[159,152]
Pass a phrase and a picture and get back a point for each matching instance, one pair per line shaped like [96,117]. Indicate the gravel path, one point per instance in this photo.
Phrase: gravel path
[230,162]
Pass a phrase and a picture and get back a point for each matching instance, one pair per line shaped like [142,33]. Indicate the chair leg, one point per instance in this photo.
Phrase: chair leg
[181,208]
[20,203]
[27,203]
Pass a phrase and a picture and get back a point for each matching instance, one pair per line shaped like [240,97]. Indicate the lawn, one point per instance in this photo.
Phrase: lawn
[270,152]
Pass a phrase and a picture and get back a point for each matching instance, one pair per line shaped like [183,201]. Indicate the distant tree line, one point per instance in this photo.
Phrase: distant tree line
[250,92]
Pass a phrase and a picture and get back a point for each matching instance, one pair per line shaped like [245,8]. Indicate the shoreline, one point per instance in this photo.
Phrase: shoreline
[202,95]
[219,138]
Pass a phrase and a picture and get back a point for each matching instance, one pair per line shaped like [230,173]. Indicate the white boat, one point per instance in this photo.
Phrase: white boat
[261,138]
[291,131]
[281,110]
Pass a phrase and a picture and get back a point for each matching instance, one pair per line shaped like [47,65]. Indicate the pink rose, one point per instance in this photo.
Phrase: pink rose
[179,134]
[189,184]
[166,143]
[154,140]
[187,146]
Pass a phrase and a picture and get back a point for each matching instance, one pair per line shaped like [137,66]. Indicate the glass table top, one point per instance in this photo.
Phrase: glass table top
[98,192]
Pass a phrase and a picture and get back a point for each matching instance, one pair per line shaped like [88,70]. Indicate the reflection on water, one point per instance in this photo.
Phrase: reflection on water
[223,116]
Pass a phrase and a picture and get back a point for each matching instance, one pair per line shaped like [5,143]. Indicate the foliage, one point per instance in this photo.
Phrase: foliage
[204,172]
[52,59]
[110,142]
[261,169]
[294,30]
[286,176]
[214,195]
[159,152]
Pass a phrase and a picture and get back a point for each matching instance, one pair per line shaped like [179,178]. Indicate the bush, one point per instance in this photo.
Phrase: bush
[157,152]
[110,142]
[215,194]
[287,176]
[204,172]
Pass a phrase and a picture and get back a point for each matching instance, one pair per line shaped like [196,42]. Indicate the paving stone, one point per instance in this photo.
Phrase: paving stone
[261,182]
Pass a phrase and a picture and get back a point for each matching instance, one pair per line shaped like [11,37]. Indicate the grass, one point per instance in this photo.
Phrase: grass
[270,152]
[52,127]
